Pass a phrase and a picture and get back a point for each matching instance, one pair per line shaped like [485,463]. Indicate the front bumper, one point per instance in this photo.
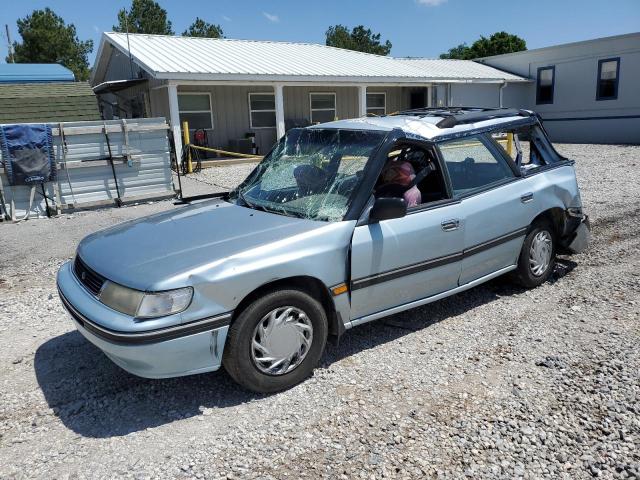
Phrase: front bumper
[174,351]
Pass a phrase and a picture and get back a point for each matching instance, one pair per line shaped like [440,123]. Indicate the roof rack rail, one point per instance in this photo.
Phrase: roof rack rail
[452,116]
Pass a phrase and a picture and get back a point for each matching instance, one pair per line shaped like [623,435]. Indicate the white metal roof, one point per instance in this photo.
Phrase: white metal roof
[460,69]
[188,58]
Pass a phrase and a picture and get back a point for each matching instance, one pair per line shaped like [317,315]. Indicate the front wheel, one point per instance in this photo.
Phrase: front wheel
[537,257]
[276,341]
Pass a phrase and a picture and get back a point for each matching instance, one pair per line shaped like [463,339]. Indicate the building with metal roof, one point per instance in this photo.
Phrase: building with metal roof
[34,73]
[231,88]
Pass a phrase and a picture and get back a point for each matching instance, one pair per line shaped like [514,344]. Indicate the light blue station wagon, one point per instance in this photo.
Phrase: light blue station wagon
[342,223]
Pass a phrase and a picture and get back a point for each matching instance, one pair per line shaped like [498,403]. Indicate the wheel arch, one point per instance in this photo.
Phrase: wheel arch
[556,217]
[305,283]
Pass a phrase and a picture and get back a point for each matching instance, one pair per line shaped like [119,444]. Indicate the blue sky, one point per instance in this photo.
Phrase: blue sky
[422,28]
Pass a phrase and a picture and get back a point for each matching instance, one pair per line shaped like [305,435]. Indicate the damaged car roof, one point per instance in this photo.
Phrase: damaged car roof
[436,123]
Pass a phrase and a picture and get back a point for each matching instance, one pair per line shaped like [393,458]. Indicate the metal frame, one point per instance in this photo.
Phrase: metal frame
[210,111]
[599,79]
[275,124]
[553,85]
[311,109]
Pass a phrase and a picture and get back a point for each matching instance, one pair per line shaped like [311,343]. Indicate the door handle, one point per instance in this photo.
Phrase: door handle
[450,225]
[527,197]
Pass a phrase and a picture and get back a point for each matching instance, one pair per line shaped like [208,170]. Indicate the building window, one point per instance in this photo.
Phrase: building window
[377,103]
[608,73]
[262,110]
[323,107]
[195,108]
[545,84]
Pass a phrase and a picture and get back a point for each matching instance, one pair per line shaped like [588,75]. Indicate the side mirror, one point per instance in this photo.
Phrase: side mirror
[386,208]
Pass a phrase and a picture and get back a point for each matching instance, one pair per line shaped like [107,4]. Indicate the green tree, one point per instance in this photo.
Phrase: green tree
[144,16]
[460,52]
[200,28]
[47,39]
[360,39]
[496,44]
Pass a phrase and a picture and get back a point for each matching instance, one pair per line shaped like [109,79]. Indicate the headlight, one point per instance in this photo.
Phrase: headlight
[164,303]
[144,304]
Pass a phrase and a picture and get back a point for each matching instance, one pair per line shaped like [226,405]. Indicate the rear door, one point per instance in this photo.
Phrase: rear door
[496,202]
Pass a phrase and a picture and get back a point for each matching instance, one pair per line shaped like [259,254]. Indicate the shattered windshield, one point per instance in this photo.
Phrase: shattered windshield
[312,173]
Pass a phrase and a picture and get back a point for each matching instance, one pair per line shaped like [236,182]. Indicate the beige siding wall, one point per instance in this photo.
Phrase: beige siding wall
[230,105]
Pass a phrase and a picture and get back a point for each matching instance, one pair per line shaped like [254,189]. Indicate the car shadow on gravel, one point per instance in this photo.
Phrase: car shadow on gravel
[95,398]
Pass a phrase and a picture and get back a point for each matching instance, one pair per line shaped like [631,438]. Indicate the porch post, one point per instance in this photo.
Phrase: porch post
[174,119]
[279,110]
[362,100]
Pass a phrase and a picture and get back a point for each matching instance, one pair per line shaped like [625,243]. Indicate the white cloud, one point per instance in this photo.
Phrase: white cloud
[431,3]
[271,17]
[96,29]
[225,18]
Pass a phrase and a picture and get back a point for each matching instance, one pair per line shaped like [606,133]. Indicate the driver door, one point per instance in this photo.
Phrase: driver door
[401,260]
[398,261]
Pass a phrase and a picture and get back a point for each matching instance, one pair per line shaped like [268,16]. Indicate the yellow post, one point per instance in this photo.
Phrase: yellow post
[186,141]
[510,144]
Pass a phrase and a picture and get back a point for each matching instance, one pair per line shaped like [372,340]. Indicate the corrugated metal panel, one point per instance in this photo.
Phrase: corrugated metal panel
[219,59]
[85,177]
[34,72]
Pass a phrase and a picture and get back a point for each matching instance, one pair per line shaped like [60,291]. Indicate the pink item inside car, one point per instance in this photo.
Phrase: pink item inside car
[402,174]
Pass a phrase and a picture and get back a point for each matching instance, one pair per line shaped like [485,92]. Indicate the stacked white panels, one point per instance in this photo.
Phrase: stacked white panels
[140,150]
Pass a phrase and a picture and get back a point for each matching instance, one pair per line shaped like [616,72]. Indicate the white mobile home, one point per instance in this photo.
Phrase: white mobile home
[228,88]
[586,92]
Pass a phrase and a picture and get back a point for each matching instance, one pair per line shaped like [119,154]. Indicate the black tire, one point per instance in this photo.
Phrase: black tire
[237,357]
[524,274]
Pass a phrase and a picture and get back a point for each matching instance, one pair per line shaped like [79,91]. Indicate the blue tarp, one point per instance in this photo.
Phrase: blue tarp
[27,152]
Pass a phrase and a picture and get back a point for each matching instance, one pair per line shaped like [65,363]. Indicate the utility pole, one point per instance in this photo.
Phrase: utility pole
[126,23]
[12,53]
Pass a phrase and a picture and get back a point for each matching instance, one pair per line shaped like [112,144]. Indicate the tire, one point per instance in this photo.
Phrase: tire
[247,365]
[529,272]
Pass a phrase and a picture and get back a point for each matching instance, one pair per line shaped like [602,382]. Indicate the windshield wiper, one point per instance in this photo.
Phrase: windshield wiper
[244,199]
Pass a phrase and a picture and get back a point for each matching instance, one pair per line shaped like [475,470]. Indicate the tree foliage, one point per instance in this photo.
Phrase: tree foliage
[144,16]
[47,39]
[496,44]
[200,28]
[360,39]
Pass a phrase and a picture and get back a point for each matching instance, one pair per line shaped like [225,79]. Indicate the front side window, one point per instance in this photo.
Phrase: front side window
[195,108]
[608,72]
[262,110]
[473,164]
[323,107]
[545,85]
[312,173]
[377,103]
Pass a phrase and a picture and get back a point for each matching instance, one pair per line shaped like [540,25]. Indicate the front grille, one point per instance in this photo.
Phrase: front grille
[90,279]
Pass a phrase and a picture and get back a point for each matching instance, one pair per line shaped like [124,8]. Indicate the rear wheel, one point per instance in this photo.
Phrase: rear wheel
[537,257]
[276,341]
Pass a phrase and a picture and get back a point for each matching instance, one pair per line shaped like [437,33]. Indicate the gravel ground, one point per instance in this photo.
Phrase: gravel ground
[495,382]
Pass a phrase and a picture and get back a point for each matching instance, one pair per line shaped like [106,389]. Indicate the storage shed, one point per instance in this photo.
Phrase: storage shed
[47,102]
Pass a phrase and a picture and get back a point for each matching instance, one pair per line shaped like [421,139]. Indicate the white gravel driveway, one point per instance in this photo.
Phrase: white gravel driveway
[493,382]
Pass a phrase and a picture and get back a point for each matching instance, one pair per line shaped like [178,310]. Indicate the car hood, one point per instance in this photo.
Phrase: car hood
[151,252]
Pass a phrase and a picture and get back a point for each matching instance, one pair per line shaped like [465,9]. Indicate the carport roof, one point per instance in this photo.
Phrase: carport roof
[187,58]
